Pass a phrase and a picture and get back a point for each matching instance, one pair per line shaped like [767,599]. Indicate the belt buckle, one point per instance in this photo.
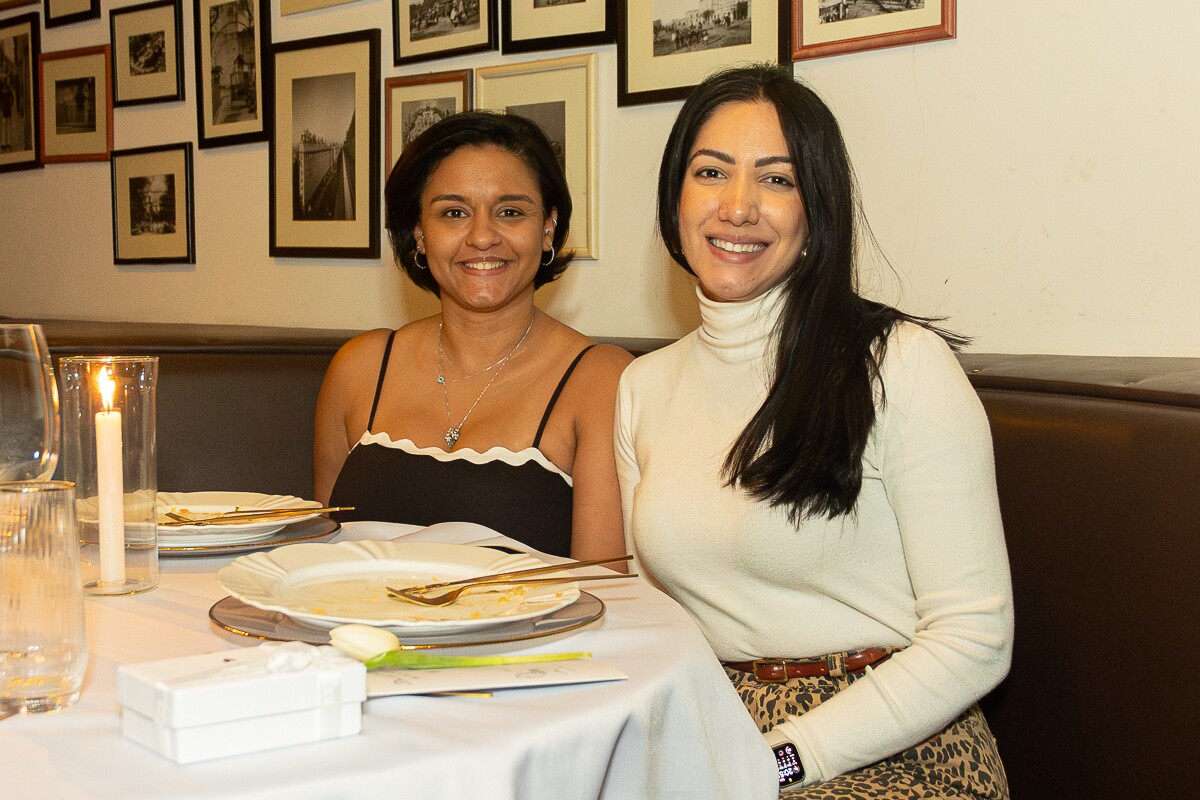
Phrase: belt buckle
[769,670]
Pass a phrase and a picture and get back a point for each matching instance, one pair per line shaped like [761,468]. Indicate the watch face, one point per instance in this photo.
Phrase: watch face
[790,769]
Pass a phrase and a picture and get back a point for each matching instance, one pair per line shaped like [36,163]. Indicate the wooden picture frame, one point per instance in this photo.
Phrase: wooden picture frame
[4,4]
[20,136]
[76,104]
[666,47]
[287,7]
[826,28]
[147,61]
[233,71]
[65,12]
[560,95]
[576,23]
[153,211]
[413,102]
[324,162]
[422,30]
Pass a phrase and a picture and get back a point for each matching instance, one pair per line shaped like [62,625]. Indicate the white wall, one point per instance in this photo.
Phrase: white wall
[1036,181]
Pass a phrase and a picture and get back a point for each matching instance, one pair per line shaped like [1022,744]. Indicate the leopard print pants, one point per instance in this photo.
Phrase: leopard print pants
[957,763]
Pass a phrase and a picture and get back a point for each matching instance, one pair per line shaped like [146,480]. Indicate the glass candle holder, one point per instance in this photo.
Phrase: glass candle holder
[109,452]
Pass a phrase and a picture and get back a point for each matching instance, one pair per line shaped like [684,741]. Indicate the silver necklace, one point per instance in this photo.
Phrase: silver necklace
[453,432]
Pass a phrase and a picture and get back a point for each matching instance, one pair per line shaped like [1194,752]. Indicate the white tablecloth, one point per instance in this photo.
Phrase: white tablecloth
[675,729]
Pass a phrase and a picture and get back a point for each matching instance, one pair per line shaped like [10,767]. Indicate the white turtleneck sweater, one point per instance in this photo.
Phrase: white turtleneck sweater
[921,563]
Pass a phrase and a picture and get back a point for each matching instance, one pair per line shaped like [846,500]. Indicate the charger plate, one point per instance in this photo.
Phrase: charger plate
[311,530]
[335,584]
[239,618]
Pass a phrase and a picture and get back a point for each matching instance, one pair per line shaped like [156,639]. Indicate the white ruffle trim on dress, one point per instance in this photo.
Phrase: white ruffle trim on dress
[503,454]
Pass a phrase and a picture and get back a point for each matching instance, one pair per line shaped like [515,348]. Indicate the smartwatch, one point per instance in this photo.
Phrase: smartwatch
[788,760]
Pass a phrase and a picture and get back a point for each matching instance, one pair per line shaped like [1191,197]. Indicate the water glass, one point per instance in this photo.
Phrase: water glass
[43,641]
[109,452]
[28,405]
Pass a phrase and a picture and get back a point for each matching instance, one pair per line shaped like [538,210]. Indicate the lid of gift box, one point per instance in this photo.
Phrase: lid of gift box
[240,683]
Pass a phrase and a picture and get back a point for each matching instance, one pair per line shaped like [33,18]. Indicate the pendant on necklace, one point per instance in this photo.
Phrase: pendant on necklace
[451,437]
[441,380]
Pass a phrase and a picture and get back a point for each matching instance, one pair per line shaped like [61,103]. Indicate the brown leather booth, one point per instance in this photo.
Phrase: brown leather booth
[1098,462]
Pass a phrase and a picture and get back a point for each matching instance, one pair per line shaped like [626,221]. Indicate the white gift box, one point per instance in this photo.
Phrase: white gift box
[240,701]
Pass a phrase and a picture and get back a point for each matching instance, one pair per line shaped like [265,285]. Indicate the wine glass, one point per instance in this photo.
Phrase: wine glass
[28,405]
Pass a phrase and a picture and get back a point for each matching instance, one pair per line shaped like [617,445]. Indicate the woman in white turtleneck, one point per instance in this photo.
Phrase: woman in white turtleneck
[809,473]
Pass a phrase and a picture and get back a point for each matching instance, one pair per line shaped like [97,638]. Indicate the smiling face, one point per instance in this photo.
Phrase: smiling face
[482,228]
[741,218]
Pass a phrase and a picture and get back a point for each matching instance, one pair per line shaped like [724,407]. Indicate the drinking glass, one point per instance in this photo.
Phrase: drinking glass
[28,405]
[43,641]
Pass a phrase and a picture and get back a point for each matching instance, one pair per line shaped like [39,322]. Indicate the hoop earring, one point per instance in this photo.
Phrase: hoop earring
[548,261]
[417,260]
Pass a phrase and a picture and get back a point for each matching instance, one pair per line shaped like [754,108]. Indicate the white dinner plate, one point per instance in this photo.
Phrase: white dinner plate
[202,505]
[334,584]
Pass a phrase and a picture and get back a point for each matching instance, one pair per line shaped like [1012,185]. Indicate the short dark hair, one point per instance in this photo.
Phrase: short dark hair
[422,155]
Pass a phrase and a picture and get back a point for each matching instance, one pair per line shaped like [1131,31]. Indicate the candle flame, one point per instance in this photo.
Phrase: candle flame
[108,387]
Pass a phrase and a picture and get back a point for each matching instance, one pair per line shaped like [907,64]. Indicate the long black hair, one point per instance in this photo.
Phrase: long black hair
[803,448]
[421,157]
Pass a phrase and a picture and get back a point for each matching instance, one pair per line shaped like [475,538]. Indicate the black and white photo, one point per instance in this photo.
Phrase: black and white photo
[686,26]
[76,104]
[323,140]
[832,27]
[531,25]
[324,154]
[666,47]
[414,102]
[423,30]
[145,50]
[233,80]
[20,47]
[152,205]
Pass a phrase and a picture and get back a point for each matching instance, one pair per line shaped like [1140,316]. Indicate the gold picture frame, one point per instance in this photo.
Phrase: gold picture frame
[76,104]
[831,27]
[560,95]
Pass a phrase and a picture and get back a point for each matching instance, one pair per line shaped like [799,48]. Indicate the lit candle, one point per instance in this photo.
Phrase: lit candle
[110,483]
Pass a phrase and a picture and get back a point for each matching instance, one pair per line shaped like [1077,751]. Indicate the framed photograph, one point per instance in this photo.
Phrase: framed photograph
[233,71]
[559,95]
[415,102]
[147,67]
[300,6]
[324,182]
[832,27]
[20,112]
[423,30]
[666,47]
[64,12]
[152,210]
[575,23]
[76,105]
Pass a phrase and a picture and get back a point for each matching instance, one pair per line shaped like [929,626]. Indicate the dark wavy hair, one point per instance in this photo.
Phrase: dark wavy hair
[422,155]
[803,448]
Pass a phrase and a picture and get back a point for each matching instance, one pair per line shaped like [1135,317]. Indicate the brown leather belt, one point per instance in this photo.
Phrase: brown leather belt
[780,670]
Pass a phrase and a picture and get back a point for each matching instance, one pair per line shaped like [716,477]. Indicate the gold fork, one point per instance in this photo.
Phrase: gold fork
[410,592]
[447,598]
[227,517]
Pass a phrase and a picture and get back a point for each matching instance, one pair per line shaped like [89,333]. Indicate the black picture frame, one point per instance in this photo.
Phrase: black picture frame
[233,71]
[150,223]
[409,50]
[325,89]
[24,139]
[584,23]
[641,81]
[154,73]
[66,12]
